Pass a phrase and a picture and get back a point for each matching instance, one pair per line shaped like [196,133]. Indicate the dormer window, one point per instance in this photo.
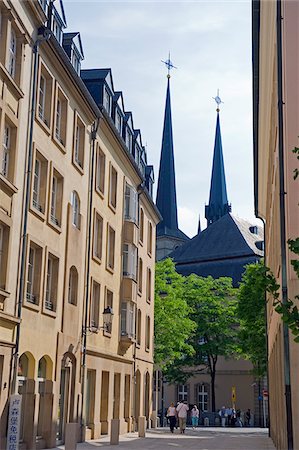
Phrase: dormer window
[107,100]
[76,62]
[118,121]
[253,229]
[57,31]
[129,140]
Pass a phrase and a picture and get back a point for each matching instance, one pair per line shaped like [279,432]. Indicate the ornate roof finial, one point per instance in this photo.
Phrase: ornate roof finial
[169,65]
[217,100]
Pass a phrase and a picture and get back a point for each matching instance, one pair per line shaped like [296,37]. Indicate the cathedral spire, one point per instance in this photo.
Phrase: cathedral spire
[218,203]
[166,192]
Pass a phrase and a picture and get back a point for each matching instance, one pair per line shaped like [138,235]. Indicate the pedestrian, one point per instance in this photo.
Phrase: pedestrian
[248,417]
[194,416]
[229,412]
[171,414]
[182,410]
[223,415]
[233,418]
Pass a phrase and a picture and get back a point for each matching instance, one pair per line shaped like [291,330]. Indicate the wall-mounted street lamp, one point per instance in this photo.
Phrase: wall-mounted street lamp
[107,322]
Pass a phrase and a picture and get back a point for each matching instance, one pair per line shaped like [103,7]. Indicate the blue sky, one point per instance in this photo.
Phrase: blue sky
[210,43]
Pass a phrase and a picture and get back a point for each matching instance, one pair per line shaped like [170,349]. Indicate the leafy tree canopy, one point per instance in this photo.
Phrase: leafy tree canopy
[173,326]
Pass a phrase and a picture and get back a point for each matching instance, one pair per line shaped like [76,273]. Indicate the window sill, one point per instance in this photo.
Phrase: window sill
[4,293]
[148,301]
[147,350]
[110,269]
[113,208]
[149,254]
[97,259]
[139,293]
[32,306]
[43,124]
[140,242]
[55,227]
[99,192]
[48,312]
[78,167]
[11,82]
[37,213]
[107,334]
[137,345]
[7,185]
[62,147]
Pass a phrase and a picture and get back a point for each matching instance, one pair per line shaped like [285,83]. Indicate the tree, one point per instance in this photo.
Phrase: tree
[173,326]
[213,303]
[251,312]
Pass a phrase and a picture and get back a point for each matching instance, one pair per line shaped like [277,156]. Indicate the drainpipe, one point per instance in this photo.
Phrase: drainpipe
[282,212]
[44,34]
[94,130]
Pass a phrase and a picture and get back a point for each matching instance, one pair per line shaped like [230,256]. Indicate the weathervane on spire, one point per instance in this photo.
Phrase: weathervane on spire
[218,100]
[169,65]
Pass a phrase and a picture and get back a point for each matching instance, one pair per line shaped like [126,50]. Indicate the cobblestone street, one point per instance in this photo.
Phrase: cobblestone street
[200,439]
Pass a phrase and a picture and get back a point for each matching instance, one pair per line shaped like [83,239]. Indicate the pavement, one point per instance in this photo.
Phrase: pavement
[199,439]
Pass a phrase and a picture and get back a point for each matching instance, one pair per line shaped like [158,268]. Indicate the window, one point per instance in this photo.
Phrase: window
[79,140]
[39,183]
[203,397]
[100,176]
[149,285]
[118,121]
[56,198]
[51,283]
[113,187]
[76,62]
[147,333]
[6,150]
[75,201]
[95,305]
[127,319]
[73,286]
[4,238]
[150,238]
[140,275]
[98,236]
[12,53]
[141,225]
[129,140]
[138,326]
[110,248]
[109,302]
[33,274]
[45,89]
[60,118]
[182,393]
[57,31]
[107,100]
[129,260]
[131,204]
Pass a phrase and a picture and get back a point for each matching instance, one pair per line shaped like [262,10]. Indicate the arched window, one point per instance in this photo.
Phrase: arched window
[23,366]
[73,286]
[42,368]
[76,209]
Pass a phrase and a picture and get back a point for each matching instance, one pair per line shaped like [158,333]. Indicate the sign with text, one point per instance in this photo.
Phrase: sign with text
[14,420]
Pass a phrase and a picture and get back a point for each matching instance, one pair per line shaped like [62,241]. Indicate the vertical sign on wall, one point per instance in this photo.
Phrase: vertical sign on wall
[234,396]
[14,419]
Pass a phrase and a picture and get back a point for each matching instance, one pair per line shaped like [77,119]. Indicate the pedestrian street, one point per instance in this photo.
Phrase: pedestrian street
[199,439]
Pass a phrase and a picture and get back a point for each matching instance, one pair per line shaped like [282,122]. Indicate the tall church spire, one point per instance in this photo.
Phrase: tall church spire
[166,193]
[218,203]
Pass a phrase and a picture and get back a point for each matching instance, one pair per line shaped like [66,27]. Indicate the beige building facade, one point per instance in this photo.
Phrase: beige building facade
[77,239]
[276,103]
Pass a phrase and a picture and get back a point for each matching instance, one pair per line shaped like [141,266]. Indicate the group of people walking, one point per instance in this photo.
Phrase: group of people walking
[179,414]
[234,418]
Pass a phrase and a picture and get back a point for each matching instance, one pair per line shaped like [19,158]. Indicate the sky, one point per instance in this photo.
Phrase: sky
[210,43]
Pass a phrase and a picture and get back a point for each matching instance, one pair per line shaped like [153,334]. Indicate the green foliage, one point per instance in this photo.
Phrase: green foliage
[256,280]
[173,326]
[213,303]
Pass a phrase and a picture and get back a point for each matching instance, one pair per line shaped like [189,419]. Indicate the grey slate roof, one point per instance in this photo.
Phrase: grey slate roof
[222,249]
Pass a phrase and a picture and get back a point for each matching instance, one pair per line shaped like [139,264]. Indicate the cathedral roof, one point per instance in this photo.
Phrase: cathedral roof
[222,249]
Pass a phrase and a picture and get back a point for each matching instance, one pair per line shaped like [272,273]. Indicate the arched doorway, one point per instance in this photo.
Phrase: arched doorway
[137,396]
[25,380]
[66,394]
[45,407]
[147,396]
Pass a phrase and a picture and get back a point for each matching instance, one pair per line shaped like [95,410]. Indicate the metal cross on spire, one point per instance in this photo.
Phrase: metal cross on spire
[169,65]
[218,100]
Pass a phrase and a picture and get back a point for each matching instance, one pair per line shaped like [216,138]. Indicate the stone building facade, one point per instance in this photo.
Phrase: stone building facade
[77,237]
[276,110]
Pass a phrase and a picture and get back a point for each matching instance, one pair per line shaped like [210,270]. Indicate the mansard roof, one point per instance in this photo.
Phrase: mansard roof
[75,38]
